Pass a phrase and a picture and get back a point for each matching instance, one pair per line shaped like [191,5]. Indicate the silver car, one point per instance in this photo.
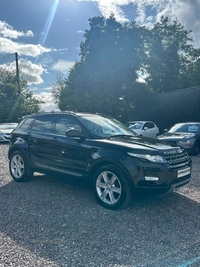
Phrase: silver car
[184,134]
[144,128]
[5,131]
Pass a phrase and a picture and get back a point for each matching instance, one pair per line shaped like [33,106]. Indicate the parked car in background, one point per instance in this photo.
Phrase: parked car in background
[116,161]
[144,128]
[186,135]
[5,131]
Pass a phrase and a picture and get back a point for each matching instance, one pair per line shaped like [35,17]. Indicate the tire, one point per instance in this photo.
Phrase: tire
[19,167]
[111,187]
[195,149]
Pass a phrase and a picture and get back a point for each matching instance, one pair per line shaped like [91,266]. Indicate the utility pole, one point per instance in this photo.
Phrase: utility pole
[17,71]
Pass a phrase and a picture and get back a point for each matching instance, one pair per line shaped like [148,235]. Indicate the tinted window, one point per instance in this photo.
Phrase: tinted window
[193,128]
[64,123]
[43,124]
[150,125]
[137,125]
[25,124]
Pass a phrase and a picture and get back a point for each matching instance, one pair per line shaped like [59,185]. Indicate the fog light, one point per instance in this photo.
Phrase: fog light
[151,178]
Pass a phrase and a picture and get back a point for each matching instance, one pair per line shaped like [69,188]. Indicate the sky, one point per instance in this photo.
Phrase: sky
[46,34]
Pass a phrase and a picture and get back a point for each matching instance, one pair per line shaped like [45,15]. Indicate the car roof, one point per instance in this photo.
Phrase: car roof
[64,112]
[139,121]
[189,122]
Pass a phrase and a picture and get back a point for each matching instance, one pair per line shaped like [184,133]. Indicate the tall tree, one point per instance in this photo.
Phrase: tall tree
[189,76]
[169,49]
[106,75]
[114,55]
[15,100]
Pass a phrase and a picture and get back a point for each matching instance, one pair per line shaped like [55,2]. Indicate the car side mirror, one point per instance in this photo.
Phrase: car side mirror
[165,130]
[146,128]
[73,133]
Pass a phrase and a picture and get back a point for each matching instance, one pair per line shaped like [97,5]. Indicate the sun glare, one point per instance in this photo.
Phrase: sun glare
[49,22]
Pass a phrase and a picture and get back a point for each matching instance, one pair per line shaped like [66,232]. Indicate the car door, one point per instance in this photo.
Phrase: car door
[150,129]
[39,140]
[69,155]
[145,129]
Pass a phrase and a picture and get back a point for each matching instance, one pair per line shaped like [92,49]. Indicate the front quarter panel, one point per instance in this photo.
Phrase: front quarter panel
[112,156]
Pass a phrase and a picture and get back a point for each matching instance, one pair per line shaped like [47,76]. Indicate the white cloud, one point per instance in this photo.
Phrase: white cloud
[62,66]
[30,71]
[7,31]
[186,11]
[48,99]
[8,46]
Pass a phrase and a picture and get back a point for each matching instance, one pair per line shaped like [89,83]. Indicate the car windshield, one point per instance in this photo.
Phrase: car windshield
[104,127]
[185,128]
[136,125]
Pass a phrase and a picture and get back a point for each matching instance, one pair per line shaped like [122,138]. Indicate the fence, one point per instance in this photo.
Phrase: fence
[168,108]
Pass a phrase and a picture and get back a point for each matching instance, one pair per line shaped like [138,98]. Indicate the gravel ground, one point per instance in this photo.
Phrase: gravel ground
[52,221]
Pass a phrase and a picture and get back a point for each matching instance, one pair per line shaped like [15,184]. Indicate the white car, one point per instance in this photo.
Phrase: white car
[144,128]
[5,131]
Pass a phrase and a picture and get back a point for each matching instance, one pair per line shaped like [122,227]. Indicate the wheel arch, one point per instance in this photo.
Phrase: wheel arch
[109,161]
[23,150]
[14,149]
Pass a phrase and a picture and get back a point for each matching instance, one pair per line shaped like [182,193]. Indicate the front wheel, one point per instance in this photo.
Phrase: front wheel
[19,167]
[111,187]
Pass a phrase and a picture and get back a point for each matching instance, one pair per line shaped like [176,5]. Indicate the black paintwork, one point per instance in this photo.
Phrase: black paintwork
[80,153]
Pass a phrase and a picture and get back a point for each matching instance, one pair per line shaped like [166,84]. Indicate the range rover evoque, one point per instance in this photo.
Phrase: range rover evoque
[117,161]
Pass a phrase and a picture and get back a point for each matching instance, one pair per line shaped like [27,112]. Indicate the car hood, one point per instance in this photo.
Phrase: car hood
[6,131]
[140,143]
[175,136]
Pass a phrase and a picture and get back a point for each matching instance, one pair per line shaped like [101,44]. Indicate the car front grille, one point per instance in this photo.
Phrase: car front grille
[177,158]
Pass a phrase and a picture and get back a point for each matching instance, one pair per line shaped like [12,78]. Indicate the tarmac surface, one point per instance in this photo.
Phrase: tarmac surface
[56,222]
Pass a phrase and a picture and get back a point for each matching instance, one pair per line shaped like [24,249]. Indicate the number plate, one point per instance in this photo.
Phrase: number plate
[183,172]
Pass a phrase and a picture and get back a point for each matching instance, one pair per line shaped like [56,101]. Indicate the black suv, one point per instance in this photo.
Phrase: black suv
[115,159]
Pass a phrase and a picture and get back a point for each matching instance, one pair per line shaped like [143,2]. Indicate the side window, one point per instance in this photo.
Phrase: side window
[43,124]
[64,123]
[150,125]
[25,124]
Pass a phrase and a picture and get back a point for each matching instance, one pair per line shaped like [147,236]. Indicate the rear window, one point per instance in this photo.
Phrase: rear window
[43,124]
[25,123]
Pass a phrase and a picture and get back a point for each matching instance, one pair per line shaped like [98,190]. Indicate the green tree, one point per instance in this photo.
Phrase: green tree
[16,100]
[169,49]
[189,76]
[106,75]
[114,55]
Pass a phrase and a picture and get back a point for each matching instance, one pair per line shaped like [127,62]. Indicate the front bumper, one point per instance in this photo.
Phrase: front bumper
[163,178]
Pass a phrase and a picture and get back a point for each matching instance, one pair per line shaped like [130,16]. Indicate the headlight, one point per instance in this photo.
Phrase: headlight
[185,141]
[155,158]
